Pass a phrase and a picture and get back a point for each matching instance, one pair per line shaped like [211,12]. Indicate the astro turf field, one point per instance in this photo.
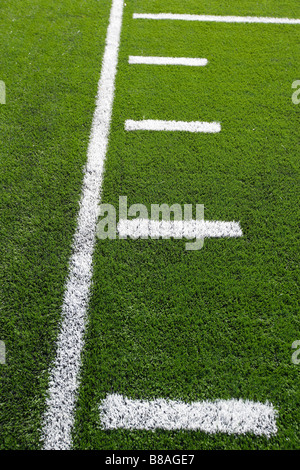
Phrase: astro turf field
[161,322]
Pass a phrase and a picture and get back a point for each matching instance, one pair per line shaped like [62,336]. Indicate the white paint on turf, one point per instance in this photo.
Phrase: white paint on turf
[190,229]
[226,416]
[214,18]
[64,376]
[157,125]
[189,61]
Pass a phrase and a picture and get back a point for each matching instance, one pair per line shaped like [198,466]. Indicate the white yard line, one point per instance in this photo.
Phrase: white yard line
[157,125]
[189,61]
[190,229]
[64,376]
[226,416]
[214,18]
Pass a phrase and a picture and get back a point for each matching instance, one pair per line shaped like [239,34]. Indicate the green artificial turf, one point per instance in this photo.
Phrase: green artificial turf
[219,322]
[163,322]
[44,131]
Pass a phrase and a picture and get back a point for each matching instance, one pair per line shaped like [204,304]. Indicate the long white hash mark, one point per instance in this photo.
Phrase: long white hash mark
[181,126]
[144,228]
[64,376]
[226,416]
[215,18]
[149,60]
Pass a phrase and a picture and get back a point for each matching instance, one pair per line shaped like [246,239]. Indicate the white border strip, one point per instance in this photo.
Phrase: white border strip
[190,61]
[64,377]
[157,125]
[226,416]
[190,229]
[214,18]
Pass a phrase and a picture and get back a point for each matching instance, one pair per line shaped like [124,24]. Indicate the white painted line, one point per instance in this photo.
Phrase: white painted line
[214,18]
[190,229]
[156,125]
[226,416]
[136,59]
[64,376]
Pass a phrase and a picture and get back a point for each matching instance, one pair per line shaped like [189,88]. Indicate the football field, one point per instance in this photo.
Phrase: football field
[149,294]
